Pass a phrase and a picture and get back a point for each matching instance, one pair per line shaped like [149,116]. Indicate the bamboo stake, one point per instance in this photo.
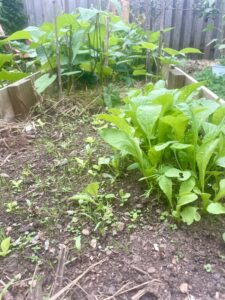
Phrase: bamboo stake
[57,50]
[161,39]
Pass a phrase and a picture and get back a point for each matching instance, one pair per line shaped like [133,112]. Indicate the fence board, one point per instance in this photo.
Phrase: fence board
[180,14]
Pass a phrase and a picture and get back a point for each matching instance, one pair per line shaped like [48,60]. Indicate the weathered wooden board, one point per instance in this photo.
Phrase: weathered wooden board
[17,99]
[177,78]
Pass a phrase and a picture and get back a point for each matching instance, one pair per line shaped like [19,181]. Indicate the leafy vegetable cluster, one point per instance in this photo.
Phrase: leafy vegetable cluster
[177,141]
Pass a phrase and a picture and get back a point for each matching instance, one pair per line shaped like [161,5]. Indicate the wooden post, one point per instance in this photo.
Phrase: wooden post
[125,10]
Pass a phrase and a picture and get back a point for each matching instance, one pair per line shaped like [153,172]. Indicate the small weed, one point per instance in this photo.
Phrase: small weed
[12,206]
[208,268]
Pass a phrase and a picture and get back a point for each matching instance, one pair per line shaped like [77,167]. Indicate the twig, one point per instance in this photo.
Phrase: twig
[75,281]
[131,289]
[140,270]
[6,159]
[60,269]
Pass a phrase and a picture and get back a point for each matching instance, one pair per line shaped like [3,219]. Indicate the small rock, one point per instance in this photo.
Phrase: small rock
[217,295]
[151,270]
[156,247]
[4,175]
[184,288]
[108,252]
[85,232]
[120,226]
[93,243]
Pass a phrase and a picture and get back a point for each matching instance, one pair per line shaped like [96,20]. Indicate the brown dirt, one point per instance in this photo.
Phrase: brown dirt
[179,263]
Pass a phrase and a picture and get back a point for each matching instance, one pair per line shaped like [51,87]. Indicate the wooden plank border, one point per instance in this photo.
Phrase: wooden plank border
[176,78]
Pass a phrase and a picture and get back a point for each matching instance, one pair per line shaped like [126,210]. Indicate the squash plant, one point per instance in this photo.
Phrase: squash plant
[177,142]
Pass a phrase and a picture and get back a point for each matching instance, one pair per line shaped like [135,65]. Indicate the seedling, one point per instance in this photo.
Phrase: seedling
[95,206]
[5,247]
[12,206]
[208,268]
[16,185]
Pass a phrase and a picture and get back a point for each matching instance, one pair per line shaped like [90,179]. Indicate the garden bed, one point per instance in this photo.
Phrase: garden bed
[143,249]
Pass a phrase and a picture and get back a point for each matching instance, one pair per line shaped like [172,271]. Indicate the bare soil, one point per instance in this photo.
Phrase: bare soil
[152,258]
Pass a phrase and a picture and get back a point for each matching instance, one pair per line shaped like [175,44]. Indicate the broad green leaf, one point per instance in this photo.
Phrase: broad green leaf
[119,122]
[216,208]
[166,186]
[141,72]
[77,40]
[221,162]
[5,58]
[149,46]
[203,156]
[190,51]
[5,245]
[18,35]
[186,91]
[92,189]
[147,116]
[171,51]
[159,85]
[178,123]
[43,82]
[66,20]
[180,146]
[87,14]
[82,197]
[121,141]
[179,174]
[186,199]
[221,192]
[86,66]
[11,76]
[190,214]
[187,186]
[163,146]
[71,73]
[219,115]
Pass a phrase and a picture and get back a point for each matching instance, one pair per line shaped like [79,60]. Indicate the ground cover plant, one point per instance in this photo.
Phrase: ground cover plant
[214,83]
[177,142]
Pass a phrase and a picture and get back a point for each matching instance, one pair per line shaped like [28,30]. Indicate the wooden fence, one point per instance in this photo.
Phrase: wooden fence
[183,15]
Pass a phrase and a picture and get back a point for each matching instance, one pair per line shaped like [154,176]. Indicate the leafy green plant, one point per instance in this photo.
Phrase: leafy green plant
[177,143]
[95,207]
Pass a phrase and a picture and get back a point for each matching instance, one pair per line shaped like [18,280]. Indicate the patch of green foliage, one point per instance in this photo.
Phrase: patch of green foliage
[214,83]
[12,15]
[94,45]
[177,143]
